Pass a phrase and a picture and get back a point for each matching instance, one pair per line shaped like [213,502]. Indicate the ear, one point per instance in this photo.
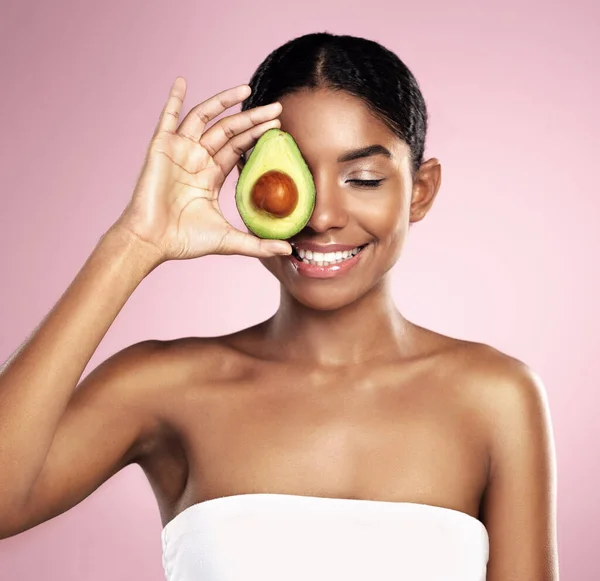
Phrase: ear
[426,184]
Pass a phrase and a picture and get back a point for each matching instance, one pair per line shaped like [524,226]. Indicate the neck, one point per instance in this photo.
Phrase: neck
[368,329]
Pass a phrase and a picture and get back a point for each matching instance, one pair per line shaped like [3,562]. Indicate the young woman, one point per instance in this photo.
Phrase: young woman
[335,440]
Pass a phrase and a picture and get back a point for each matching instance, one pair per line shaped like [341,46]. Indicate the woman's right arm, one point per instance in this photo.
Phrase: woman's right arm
[37,384]
[59,443]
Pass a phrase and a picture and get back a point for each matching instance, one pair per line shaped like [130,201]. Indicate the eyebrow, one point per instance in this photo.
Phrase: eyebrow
[365,152]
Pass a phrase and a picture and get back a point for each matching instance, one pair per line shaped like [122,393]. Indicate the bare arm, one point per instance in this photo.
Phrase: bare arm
[519,508]
[37,382]
[58,444]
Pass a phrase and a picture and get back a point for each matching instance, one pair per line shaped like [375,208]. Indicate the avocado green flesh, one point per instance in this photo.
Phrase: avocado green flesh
[275,150]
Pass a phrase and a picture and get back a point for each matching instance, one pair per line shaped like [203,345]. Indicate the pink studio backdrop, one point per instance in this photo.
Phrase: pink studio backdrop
[508,255]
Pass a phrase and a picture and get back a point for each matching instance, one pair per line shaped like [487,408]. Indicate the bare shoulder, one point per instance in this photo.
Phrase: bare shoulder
[150,379]
[495,380]
[506,389]
[165,370]
[503,392]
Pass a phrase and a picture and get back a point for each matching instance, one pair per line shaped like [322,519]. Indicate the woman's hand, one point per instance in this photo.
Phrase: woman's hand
[174,209]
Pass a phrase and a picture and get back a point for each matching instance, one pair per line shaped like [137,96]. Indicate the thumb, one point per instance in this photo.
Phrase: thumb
[238,242]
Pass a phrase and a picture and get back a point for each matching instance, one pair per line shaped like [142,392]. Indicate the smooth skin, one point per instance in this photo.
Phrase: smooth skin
[336,395]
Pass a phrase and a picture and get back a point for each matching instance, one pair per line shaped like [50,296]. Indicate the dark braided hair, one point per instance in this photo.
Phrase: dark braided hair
[358,66]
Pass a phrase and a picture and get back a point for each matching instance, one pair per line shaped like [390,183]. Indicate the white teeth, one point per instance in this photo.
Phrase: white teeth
[326,258]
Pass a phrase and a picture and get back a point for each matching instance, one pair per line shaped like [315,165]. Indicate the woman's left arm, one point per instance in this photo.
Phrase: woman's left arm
[519,504]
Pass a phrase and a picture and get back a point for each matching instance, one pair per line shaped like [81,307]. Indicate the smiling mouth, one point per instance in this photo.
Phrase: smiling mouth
[325,258]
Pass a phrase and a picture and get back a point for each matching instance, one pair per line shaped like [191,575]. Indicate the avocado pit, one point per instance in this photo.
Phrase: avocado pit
[275,193]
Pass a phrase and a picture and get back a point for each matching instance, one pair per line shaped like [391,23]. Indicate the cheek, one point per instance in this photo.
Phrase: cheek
[383,215]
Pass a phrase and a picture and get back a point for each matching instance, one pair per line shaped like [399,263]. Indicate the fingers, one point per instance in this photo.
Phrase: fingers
[195,121]
[225,129]
[229,155]
[238,242]
[170,114]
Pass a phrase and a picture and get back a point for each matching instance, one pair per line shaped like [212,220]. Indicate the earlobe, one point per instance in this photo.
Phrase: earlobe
[425,188]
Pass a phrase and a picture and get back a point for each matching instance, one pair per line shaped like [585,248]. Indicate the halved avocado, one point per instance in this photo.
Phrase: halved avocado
[275,193]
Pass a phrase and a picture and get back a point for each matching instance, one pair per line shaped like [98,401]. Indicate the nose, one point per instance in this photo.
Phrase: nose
[330,211]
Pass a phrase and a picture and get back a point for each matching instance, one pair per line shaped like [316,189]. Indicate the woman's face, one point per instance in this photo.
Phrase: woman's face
[372,218]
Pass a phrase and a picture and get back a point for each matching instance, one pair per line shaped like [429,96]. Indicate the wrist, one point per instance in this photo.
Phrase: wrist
[130,246]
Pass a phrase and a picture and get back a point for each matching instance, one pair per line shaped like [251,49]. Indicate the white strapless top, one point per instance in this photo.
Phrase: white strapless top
[286,537]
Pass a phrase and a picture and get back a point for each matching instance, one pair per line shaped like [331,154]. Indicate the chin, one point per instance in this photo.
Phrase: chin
[323,299]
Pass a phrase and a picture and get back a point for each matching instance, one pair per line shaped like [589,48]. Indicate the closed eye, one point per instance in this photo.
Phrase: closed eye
[366,183]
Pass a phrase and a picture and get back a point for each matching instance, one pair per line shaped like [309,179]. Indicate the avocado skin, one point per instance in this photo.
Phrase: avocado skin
[275,150]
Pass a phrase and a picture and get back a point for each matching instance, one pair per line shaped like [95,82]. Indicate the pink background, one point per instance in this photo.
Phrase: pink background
[507,255]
